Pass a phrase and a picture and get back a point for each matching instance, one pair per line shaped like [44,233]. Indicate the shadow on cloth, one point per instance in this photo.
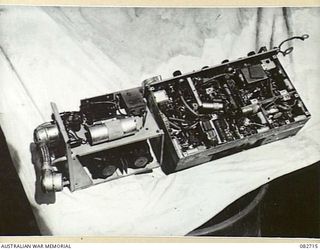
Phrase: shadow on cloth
[40,196]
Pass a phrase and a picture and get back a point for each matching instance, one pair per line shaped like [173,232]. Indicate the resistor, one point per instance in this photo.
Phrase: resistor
[214,105]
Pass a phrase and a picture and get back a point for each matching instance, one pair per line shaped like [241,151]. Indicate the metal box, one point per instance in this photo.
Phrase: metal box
[221,110]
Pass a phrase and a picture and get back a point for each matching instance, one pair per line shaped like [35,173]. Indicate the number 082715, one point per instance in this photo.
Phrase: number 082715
[309,245]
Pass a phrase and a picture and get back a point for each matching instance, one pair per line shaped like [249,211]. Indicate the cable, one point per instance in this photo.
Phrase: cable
[290,49]
[256,124]
[188,107]
[228,222]
[275,98]
[76,137]
[214,78]
[193,125]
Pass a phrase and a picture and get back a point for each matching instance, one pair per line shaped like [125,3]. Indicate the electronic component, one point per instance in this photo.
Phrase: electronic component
[253,73]
[220,110]
[113,129]
[161,96]
[133,101]
[194,118]
[46,133]
[105,140]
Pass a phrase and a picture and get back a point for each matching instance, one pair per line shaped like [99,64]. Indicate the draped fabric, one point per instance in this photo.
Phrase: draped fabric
[66,54]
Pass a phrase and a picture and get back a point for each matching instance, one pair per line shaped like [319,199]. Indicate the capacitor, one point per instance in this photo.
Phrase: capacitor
[272,111]
[250,109]
[113,129]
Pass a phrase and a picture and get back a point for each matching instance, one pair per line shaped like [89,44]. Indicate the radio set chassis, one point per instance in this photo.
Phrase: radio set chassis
[188,120]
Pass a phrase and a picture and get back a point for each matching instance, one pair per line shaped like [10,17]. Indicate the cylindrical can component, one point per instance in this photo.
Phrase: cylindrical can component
[213,105]
[46,133]
[261,118]
[288,84]
[51,181]
[250,109]
[113,129]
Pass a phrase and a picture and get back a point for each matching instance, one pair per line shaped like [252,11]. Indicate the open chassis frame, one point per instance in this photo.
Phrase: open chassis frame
[78,177]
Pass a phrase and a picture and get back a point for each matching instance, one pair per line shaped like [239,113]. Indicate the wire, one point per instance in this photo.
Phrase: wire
[213,78]
[76,137]
[272,102]
[228,222]
[174,125]
[187,106]
[193,125]
[284,107]
[118,106]
[290,49]
[294,103]
[256,124]
[176,119]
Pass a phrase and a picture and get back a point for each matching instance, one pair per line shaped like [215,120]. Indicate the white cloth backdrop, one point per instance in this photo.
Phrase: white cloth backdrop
[65,54]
